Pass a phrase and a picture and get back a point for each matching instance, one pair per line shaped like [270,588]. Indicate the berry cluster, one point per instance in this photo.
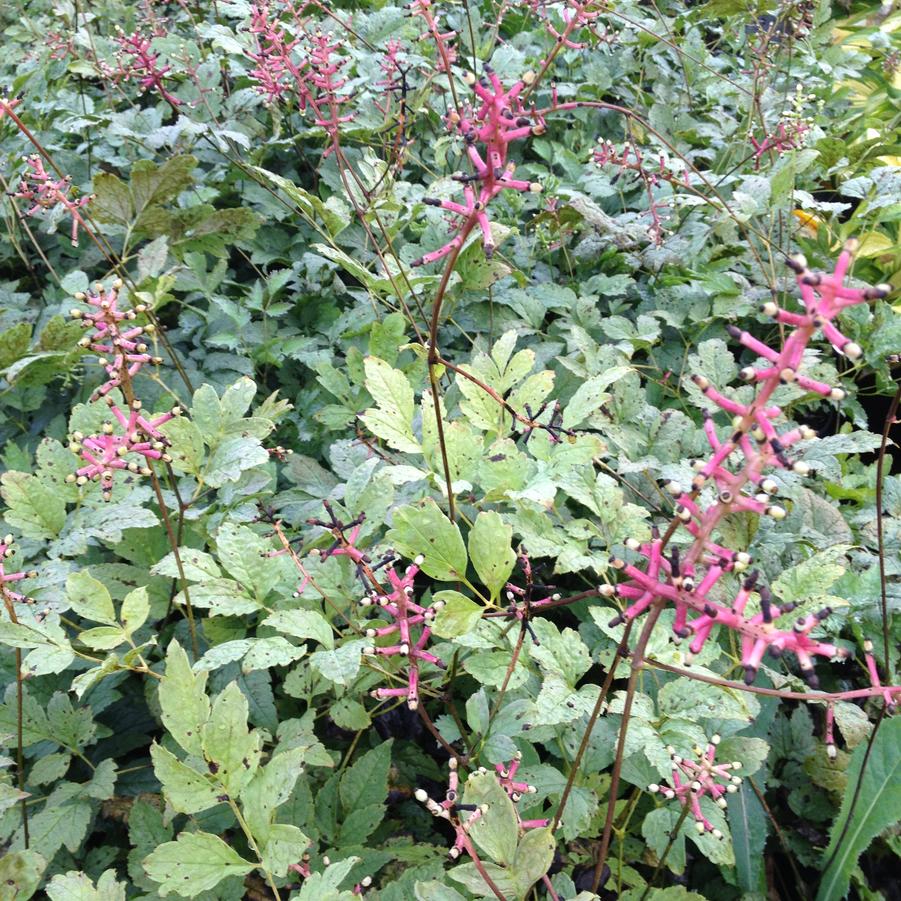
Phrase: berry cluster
[126,351]
[276,71]
[650,170]
[487,133]
[575,15]
[692,780]
[328,98]
[686,578]
[137,61]
[137,441]
[6,579]
[108,452]
[790,133]
[450,808]
[306,66]
[410,624]
[38,187]
[444,40]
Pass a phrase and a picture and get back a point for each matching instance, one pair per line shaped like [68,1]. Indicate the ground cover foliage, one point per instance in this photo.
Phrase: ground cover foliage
[430,469]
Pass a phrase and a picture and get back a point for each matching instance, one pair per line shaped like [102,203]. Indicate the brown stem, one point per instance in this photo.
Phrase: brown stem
[637,662]
[595,713]
[477,861]
[799,882]
[427,722]
[669,846]
[173,543]
[442,444]
[775,692]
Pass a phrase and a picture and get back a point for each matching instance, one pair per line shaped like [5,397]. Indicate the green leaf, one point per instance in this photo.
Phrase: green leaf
[75,886]
[272,651]
[878,806]
[470,878]
[232,751]
[14,343]
[182,696]
[533,859]
[186,790]
[749,826]
[50,651]
[187,447]
[490,551]
[302,624]
[135,610]
[90,598]
[35,508]
[284,845]
[133,204]
[811,578]
[103,638]
[366,782]
[496,832]
[458,616]
[349,714]
[852,722]
[392,418]
[590,395]
[194,863]
[673,893]
[48,769]
[241,551]
[342,664]
[270,787]
[20,874]
[324,886]
[435,891]
[59,824]
[428,532]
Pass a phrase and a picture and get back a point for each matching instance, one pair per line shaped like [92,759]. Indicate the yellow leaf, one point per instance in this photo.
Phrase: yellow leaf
[874,243]
[808,221]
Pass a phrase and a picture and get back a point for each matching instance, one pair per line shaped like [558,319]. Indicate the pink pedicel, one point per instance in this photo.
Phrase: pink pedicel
[462,817]
[44,192]
[685,578]
[138,62]
[487,131]
[8,578]
[692,780]
[121,344]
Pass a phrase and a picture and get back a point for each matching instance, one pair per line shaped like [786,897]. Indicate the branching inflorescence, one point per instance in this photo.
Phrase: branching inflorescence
[692,780]
[687,578]
[451,808]
[124,354]
[110,451]
[305,66]
[410,622]
[651,171]
[44,192]
[487,132]
[329,98]
[7,578]
[276,72]
[443,40]
[410,626]
[575,16]
[138,61]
